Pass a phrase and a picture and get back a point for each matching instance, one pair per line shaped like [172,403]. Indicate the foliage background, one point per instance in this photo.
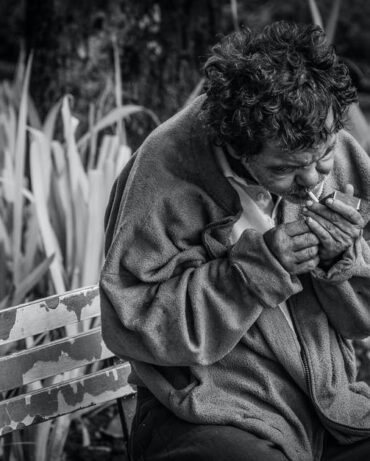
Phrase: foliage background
[162,44]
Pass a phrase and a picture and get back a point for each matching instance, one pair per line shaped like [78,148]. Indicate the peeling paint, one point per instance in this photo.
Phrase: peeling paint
[74,387]
[8,319]
[115,374]
[29,319]
[52,359]
[58,400]
[50,303]
[79,301]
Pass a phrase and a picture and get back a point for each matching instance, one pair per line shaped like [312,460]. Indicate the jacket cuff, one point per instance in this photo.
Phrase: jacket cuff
[344,269]
[262,272]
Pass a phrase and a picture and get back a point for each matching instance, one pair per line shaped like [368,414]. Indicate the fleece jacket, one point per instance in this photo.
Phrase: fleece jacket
[197,317]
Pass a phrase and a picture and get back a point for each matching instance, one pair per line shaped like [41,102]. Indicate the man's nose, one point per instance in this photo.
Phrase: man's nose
[307,177]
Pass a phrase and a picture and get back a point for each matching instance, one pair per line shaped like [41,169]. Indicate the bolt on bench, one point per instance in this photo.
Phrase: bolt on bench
[66,373]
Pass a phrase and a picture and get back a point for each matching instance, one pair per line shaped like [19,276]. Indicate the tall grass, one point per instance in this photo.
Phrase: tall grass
[53,194]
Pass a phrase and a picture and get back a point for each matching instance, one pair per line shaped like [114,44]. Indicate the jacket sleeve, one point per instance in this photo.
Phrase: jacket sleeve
[344,291]
[165,301]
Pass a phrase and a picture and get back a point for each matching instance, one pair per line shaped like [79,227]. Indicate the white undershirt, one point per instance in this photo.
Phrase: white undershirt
[259,211]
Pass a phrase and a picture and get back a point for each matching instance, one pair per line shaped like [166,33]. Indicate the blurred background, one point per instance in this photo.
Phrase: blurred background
[82,83]
[161,45]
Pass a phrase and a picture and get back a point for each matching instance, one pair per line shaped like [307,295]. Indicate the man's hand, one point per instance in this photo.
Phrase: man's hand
[294,246]
[336,225]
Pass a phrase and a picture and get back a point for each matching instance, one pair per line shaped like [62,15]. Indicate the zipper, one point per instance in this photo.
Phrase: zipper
[308,379]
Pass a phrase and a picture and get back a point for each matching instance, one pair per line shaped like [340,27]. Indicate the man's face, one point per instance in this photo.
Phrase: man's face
[291,174]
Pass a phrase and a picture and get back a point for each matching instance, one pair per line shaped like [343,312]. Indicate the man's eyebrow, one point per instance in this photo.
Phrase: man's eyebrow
[294,165]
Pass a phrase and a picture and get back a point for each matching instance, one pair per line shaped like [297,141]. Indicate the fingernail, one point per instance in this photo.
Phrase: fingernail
[330,201]
[309,203]
[304,210]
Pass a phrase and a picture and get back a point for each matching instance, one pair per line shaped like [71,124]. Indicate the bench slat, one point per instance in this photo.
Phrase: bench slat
[33,318]
[51,359]
[64,398]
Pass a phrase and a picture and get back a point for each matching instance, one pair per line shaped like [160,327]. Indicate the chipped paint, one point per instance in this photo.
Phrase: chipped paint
[115,374]
[53,358]
[7,323]
[81,300]
[74,387]
[50,303]
[61,399]
[33,318]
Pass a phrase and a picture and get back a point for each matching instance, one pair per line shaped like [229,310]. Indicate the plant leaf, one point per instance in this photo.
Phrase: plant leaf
[315,13]
[50,121]
[109,149]
[31,280]
[123,156]
[45,160]
[49,240]
[57,437]
[121,131]
[95,230]
[234,14]
[77,174]
[19,159]
[112,117]
[196,92]
[331,25]
[31,239]
[3,271]
[65,200]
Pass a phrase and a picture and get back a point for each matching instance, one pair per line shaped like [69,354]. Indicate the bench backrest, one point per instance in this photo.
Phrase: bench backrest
[66,373]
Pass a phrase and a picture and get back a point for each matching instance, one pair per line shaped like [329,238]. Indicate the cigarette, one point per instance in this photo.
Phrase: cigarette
[313,196]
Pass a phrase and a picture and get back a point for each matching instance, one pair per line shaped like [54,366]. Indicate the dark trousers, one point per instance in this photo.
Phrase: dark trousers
[158,435]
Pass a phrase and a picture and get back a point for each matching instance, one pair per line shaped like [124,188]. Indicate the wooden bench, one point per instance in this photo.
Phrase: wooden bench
[67,372]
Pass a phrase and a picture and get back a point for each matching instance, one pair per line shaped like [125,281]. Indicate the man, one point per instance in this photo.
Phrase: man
[233,294]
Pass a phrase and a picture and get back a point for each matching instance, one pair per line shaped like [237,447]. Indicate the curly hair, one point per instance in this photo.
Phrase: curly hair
[276,85]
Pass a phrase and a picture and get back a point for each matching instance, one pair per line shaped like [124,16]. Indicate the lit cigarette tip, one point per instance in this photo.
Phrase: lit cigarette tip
[313,196]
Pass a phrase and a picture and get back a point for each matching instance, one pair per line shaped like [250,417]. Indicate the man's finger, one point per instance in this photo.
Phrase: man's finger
[306,255]
[296,228]
[302,241]
[336,213]
[335,224]
[321,233]
[334,210]
[347,211]
[307,266]
[349,189]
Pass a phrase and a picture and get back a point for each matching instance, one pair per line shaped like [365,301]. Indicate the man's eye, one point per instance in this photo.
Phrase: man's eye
[284,170]
[327,155]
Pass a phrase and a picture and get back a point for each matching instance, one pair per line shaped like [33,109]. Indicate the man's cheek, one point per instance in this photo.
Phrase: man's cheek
[281,185]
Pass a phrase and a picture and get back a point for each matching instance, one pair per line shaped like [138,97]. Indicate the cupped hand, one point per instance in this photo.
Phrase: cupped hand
[294,246]
[336,225]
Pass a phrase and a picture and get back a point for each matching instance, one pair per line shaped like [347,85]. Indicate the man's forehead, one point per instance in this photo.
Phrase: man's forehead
[274,154]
